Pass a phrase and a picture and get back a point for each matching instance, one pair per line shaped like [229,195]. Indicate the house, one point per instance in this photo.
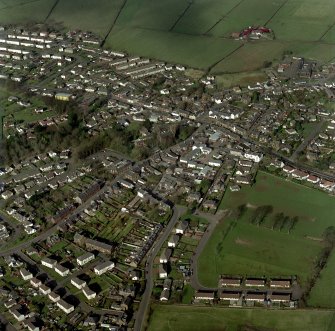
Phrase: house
[78,283]
[256,157]
[173,241]
[135,275]
[6,195]
[204,296]
[229,296]
[255,282]
[63,96]
[234,282]
[30,326]
[50,263]
[83,259]
[93,245]
[53,297]
[280,297]
[165,256]
[313,179]
[35,282]
[258,297]
[17,315]
[104,267]
[44,289]
[280,283]
[66,307]
[61,270]
[89,294]
[181,227]
[162,271]
[164,295]
[25,274]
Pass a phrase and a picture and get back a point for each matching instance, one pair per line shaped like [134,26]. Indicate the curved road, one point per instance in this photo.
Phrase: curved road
[143,307]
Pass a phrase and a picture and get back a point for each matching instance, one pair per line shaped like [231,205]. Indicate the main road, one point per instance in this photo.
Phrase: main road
[143,307]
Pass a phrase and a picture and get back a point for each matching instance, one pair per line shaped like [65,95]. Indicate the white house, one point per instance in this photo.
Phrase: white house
[89,294]
[26,275]
[50,263]
[78,283]
[83,259]
[104,267]
[66,307]
[61,270]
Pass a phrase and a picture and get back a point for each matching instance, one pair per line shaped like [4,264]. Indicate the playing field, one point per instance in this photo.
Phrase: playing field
[188,318]
[194,33]
[238,247]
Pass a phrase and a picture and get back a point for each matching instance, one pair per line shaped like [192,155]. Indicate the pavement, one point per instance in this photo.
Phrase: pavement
[194,280]
[145,302]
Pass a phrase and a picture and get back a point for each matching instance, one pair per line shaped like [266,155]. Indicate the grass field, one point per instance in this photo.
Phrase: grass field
[195,32]
[188,318]
[239,247]
[322,294]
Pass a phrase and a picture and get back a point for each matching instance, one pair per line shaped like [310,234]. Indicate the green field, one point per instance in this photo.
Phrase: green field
[188,318]
[322,294]
[193,33]
[238,247]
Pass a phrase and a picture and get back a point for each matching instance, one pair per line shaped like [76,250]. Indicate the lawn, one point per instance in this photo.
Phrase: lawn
[322,294]
[188,318]
[315,209]
[239,247]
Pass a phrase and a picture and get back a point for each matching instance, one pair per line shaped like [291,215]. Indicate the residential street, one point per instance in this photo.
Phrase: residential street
[143,307]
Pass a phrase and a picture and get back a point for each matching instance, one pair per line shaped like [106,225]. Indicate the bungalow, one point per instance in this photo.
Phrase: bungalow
[104,267]
[288,169]
[173,241]
[214,163]
[235,282]
[66,307]
[89,294]
[204,296]
[78,283]
[313,179]
[326,184]
[165,256]
[258,297]
[300,175]
[280,297]
[229,296]
[280,283]
[255,282]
